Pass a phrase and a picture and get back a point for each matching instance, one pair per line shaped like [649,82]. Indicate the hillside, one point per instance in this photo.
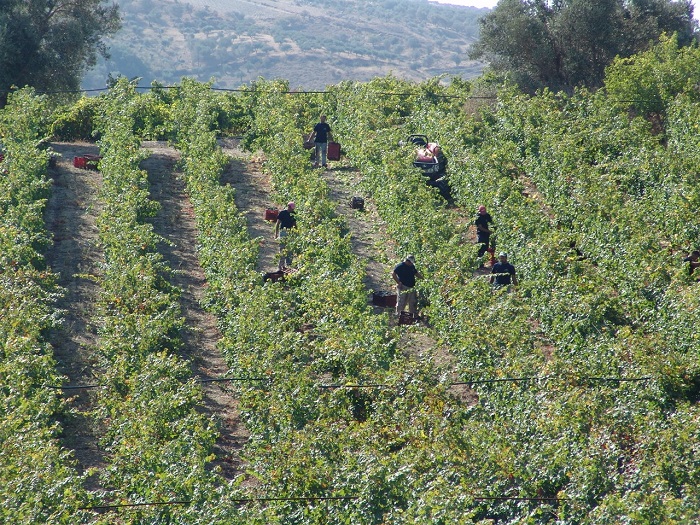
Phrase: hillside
[310,43]
[154,374]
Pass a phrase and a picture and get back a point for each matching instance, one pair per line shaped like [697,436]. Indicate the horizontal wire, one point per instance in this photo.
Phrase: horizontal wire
[515,498]
[296,92]
[272,92]
[379,385]
[498,380]
[300,498]
[199,380]
[235,500]
[127,505]
[220,379]
[546,378]
[367,385]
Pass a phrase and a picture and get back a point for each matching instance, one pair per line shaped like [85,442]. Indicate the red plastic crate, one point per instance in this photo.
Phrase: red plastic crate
[333,151]
[271,215]
[87,162]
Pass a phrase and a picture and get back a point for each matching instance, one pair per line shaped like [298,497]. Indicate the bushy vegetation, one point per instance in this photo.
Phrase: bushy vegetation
[567,44]
[581,383]
[49,44]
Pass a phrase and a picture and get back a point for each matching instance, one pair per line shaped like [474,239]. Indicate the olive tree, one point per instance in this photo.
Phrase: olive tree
[561,44]
[49,44]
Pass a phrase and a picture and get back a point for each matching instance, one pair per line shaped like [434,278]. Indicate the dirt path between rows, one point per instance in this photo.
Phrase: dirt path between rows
[244,173]
[372,245]
[369,240]
[175,222]
[70,217]
[75,256]
[71,214]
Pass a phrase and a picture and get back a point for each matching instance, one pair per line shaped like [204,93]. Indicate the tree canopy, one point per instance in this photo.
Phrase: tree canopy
[49,44]
[561,44]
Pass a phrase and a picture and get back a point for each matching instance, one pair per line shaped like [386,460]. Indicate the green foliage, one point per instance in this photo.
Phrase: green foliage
[76,121]
[568,44]
[159,443]
[49,44]
[650,81]
[40,483]
[571,398]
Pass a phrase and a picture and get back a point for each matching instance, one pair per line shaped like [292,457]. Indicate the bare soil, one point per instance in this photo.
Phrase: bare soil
[175,223]
[71,214]
[75,256]
[252,198]
[369,240]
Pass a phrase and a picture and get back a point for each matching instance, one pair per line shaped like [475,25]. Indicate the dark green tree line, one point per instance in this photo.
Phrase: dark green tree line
[49,44]
[561,44]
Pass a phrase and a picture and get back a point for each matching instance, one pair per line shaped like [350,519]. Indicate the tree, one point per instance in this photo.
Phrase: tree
[49,44]
[561,44]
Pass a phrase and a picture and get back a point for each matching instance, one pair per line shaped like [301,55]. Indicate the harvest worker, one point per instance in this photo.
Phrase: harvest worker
[483,234]
[502,272]
[285,221]
[405,274]
[320,137]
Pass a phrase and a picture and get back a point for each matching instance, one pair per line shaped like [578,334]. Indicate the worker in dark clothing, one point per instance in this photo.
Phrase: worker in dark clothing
[693,261]
[285,222]
[503,273]
[483,233]
[405,274]
[320,137]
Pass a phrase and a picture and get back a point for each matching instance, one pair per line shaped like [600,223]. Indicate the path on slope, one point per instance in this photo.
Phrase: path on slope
[252,197]
[175,222]
[369,240]
[70,216]
[376,249]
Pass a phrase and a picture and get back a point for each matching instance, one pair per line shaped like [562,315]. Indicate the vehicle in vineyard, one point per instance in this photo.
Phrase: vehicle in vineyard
[432,162]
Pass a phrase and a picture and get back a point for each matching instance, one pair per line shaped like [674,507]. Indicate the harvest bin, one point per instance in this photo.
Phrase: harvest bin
[407,318]
[384,299]
[87,162]
[333,152]
[357,203]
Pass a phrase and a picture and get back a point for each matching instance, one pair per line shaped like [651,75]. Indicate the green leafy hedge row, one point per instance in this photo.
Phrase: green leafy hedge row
[307,335]
[157,439]
[39,480]
[555,171]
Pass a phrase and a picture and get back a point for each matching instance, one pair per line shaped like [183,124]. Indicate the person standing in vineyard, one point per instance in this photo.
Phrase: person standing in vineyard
[405,274]
[483,233]
[285,221]
[503,273]
[320,137]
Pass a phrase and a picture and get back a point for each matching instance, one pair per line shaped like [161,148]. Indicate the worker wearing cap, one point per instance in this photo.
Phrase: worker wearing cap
[503,273]
[405,274]
[285,222]
[483,233]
